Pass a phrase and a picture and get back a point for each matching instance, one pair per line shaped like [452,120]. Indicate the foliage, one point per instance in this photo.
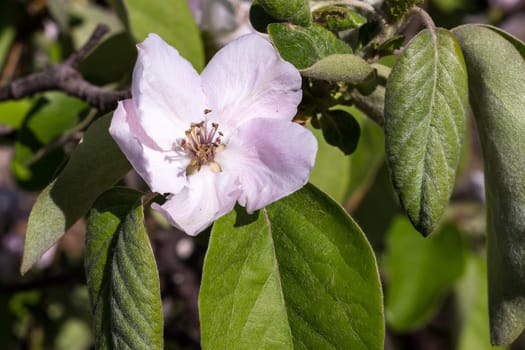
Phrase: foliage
[389,109]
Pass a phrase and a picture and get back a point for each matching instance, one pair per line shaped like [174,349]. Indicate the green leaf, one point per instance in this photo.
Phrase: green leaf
[341,68]
[303,47]
[120,10]
[425,105]
[340,129]
[338,18]
[95,166]
[298,274]
[259,18]
[518,44]
[496,82]
[295,11]
[471,294]
[12,113]
[7,35]
[117,48]
[171,20]
[368,157]
[122,274]
[50,116]
[377,206]
[421,271]
[332,169]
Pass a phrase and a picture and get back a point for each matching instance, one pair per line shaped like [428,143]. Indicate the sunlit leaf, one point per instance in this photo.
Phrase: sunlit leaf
[271,283]
[302,46]
[171,20]
[425,106]
[122,274]
[12,113]
[50,116]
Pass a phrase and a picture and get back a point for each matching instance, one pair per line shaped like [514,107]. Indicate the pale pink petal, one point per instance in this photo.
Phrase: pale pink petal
[161,172]
[167,91]
[272,158]
[247,79]
[208,196]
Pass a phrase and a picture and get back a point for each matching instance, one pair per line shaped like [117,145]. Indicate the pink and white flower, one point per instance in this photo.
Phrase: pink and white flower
[208,141]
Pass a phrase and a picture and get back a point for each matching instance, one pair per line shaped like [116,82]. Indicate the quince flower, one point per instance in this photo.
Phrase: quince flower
[208,141]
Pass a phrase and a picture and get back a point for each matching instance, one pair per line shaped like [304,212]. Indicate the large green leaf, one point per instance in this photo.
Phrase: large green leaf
[302,46]
[425,105]
[122,274]
[95,166]
[420,272]
[296,275]
[172,20]
[496,89]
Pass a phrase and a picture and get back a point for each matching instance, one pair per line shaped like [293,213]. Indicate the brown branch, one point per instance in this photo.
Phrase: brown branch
[65,77]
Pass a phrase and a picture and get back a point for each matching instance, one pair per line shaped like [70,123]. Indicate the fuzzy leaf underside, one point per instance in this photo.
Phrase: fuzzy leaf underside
[425,106]
[496,89]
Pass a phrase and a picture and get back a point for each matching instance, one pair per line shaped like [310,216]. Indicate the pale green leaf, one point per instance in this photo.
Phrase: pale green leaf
[346,68]
[332,169]
[496,90]
[296,275]
[421,271]
[472,302]
[425,105]
[95,166]
[122,274]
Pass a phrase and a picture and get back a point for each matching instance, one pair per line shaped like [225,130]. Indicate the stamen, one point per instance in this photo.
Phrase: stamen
[202,145]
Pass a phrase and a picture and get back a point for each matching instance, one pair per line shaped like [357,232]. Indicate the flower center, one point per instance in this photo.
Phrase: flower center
[202,144]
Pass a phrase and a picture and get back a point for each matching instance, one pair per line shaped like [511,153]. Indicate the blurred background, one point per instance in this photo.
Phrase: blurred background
[435,288]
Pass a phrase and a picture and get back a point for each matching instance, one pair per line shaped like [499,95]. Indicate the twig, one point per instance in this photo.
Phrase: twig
[65,77]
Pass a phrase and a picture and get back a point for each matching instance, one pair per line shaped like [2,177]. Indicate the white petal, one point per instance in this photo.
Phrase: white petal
[167,91]
[148,159]
[272,159]
[208,196]
[247,79]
